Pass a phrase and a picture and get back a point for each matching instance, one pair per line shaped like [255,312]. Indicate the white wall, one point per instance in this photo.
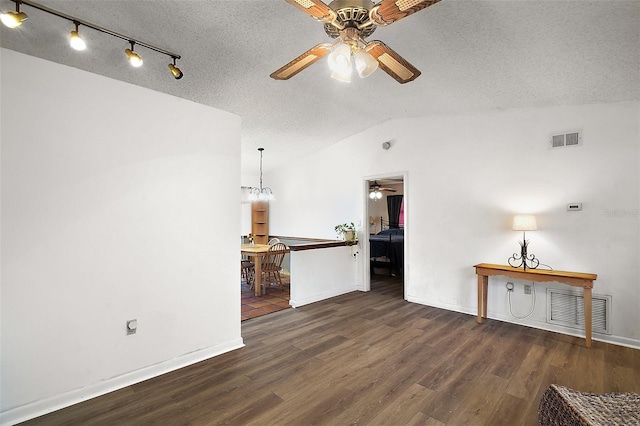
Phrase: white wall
[322,273]
[467,175]
[111,209]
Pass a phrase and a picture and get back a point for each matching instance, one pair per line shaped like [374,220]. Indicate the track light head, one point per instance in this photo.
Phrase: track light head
[175,71]
[14,19]
[134,58]
[76,41]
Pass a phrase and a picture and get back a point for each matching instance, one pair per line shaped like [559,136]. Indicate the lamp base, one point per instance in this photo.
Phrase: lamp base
[525,260]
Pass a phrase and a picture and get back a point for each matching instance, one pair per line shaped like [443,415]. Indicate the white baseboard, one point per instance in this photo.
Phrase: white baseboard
[317,298]
[613,339]
[48,405]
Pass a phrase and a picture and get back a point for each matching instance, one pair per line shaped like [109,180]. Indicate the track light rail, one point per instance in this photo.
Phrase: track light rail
[78,21]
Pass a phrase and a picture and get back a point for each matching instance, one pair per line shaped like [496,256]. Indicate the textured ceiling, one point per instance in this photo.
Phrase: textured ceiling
[474,55]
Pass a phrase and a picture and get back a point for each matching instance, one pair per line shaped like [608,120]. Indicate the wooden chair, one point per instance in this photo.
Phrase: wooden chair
[271,265]
[274,241]
[247,271]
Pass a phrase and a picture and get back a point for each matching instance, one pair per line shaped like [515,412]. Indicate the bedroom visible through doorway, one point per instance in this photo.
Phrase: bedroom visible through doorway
[386,225]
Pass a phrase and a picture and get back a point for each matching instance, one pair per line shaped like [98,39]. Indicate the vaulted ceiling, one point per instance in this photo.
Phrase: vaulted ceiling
[474,55]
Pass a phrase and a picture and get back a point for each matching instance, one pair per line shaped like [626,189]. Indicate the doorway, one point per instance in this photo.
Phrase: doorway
[385,267]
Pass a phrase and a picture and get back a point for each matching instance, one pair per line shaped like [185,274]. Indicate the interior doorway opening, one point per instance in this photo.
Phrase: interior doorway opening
[385,209]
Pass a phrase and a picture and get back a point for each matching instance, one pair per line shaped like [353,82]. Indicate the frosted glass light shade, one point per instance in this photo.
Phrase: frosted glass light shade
[342,76]
[340,59]
[524,222]
[365,63]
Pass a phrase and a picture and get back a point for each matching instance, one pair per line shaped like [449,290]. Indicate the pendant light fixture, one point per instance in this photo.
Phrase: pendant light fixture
[15,19]
[260,194]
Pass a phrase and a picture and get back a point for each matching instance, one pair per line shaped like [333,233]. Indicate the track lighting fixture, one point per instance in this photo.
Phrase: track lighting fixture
[15,19]
[175,71]
[134,58]
[75,40]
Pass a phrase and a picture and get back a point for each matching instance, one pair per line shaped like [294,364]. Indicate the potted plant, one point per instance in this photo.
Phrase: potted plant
[347,231]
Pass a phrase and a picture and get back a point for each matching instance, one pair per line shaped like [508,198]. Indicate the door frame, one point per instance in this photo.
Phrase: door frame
[365,247]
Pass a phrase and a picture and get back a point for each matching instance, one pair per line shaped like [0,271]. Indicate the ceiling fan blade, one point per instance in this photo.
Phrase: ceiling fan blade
[302,62]
[390,11]
[315,8]
[392,63]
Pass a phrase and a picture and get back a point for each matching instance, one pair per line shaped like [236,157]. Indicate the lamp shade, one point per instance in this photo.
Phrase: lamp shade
[524,222]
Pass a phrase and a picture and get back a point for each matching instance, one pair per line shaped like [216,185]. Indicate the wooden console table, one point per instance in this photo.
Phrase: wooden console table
[576,279]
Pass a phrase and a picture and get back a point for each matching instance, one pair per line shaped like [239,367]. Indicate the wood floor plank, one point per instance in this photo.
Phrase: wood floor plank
[368,358]
[402,410]
[487,392]
[525,383]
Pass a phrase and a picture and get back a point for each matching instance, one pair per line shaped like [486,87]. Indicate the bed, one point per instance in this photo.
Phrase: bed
[387,249]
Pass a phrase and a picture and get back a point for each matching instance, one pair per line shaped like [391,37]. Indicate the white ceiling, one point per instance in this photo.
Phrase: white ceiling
[474,55]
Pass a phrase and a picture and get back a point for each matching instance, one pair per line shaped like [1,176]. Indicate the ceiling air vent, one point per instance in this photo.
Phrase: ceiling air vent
[566,139]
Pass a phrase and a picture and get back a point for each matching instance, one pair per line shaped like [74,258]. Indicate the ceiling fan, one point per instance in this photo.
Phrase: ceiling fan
[375,186]
[350,22]
[375,190]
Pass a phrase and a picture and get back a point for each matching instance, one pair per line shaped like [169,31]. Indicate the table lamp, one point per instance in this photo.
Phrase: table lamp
[524,222]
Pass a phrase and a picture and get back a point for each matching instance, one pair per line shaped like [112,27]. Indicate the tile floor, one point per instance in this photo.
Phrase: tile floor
[275,300]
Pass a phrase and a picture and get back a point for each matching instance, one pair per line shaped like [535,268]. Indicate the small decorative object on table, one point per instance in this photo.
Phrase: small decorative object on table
[251,238]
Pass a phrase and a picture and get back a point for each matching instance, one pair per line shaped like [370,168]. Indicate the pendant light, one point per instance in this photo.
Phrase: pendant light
[260,194]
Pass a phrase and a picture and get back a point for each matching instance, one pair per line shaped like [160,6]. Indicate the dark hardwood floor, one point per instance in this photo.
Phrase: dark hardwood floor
[368,358]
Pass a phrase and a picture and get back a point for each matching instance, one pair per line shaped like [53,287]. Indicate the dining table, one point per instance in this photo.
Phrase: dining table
[255,252]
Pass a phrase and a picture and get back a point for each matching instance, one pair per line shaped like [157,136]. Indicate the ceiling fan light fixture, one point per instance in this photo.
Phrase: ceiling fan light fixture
[340,59]
[14,19]
[366,64]
[345,76]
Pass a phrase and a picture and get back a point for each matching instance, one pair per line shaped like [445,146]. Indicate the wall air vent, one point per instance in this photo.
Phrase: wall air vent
[566,139]
[566,308]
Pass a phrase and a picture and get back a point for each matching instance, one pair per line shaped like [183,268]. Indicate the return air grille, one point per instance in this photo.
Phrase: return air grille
[565,307]
[566,139]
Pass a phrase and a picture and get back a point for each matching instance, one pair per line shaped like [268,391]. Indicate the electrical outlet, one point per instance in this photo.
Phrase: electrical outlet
[527,289]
